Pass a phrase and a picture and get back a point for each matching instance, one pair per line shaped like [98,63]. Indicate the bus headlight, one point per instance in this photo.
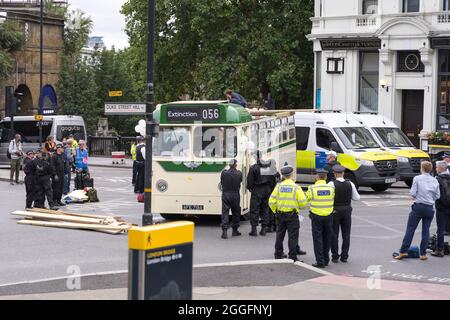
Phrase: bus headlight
[366,163]
[402,159]
[162,185]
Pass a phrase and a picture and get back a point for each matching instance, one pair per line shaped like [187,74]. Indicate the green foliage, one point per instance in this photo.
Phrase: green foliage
[55,9]
[11,39]
[203,47]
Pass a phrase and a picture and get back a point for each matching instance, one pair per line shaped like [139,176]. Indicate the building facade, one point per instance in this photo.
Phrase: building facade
[26,77]
[390,57]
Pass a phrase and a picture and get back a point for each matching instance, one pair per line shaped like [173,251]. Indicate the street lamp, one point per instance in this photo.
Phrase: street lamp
[41,62]
[147,218]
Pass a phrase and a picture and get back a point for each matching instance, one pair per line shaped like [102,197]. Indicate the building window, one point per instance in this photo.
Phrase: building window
[443,122]
[411,5]
[370,7]
[368,81]
[335,65]
[409,61]
[446,5]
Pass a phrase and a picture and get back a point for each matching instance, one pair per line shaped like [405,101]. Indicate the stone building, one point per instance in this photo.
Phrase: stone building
[390,57]
[27,61]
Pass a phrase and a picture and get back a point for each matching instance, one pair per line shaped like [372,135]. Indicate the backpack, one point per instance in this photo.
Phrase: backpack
[92,195]
[8,154]
[445,196]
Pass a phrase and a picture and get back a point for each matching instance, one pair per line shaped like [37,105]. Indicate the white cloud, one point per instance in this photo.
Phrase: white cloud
[108,21]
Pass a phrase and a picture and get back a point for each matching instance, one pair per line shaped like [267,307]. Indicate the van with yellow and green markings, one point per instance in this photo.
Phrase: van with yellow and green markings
[392,139]
[367,165]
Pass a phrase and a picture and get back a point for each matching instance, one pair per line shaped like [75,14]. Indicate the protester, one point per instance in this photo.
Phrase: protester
[236,98]
[81,157]
[442,206]
[68,166]
[59,167]
[50,144]
[16,152]
[29,179]
[425,191]
[140,159]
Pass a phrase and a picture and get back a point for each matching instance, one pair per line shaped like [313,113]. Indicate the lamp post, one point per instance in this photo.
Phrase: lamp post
[41,62]
[147,218]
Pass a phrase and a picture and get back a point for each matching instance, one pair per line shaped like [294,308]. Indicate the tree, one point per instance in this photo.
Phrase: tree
[202,47]
[11,39]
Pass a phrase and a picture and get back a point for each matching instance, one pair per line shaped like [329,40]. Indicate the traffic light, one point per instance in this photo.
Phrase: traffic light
[19,99]
[13,101]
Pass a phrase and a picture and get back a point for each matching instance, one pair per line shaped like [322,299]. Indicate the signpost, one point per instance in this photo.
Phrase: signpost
[124,108]
[160,262]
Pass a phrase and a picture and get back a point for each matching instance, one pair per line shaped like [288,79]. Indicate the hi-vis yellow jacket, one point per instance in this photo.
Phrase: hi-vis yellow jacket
[287,197]
[321,198]
[133,151]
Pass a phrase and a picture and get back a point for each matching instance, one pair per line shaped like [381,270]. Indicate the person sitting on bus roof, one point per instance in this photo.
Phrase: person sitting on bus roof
[50,144]
[236,98]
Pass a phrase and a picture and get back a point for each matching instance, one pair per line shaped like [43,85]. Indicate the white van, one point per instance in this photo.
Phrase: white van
[57,126]
[392,139]
[366,163]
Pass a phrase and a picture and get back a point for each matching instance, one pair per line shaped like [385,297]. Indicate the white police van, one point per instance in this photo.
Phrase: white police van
[57,126]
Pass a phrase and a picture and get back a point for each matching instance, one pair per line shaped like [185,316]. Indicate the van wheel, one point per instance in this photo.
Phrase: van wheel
[381,187]
[351,176]
[171,216]
[409,183]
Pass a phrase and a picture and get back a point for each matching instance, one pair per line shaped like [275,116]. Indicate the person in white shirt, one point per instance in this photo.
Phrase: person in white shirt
[345,192]
[16,152]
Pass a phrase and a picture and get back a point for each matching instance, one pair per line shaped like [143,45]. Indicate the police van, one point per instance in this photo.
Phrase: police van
[58,126]
[392,139]
[367,165]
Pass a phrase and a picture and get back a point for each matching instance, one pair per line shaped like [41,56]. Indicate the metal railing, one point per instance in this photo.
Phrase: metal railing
[28,3]
[104,146]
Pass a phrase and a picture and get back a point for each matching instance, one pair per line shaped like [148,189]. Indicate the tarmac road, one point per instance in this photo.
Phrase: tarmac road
[34,253]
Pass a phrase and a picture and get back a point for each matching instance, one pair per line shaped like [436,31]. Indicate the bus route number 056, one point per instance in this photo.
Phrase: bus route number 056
[211,114]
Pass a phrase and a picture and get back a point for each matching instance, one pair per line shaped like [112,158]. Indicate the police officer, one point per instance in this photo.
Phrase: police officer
[133,157]
[58,163]
[29,179]
[331,162]
[43,171]
[259,181]
[230,181]
[140,164]
[321,199]
[345,192]
[286,201]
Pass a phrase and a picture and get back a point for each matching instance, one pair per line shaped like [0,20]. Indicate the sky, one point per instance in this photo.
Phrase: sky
[108,22]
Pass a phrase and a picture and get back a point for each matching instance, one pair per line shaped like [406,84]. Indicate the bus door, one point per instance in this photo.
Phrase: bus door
[244,168]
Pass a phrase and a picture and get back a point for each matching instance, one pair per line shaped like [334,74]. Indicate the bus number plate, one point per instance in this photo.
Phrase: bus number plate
[193,207]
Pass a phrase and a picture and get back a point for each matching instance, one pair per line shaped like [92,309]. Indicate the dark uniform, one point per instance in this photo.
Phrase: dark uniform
[43,172]
[260,182]
[342,216]
[59,165]
[272,227]
[329,168]
[29,182]
[231,180]
[140,168]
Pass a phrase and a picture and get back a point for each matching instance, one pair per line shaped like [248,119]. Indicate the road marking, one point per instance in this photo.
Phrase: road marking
[379,225]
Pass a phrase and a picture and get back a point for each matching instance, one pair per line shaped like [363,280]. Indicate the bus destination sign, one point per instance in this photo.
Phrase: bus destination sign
[190,114]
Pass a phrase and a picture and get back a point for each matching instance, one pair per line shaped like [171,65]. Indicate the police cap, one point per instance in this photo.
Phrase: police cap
[59,145]
[338,169]
[232,162]
[287,170]
[321,171]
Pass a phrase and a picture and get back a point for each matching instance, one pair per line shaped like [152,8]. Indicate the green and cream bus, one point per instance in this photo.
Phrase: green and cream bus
[197,139]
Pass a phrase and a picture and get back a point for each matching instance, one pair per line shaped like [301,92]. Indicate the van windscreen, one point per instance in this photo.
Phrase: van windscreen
[65,130]
[29,130]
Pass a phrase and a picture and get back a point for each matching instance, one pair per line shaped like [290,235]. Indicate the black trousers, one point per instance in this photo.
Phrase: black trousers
[259,206]
[135,169]
[140,178]
[43,188]
[322,233]
[30,190]
[272,219]
[58,187]
[231,201]
[342,220]
[291,224]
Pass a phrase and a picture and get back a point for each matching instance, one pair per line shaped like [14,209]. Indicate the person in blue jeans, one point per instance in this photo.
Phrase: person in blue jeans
[442,206]
[425,190]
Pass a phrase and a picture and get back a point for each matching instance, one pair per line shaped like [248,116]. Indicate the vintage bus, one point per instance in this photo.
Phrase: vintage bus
[196,141]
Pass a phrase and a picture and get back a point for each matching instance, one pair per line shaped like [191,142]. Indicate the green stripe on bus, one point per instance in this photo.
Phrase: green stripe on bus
[202,168]
[283,145]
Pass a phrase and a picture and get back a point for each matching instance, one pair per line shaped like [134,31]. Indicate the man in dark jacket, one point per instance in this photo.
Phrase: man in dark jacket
[236,98]
[260,182]
[29,179]
[331,162]
[442,206]
[59,165]
[230,181]
[43,172]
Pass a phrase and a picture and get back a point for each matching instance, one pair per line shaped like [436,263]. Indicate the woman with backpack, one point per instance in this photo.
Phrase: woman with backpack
[442,206]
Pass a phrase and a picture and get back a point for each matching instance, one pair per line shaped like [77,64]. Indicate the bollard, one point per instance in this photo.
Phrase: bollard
[160,262]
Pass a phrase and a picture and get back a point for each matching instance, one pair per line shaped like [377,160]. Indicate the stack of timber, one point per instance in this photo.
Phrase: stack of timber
[70,220]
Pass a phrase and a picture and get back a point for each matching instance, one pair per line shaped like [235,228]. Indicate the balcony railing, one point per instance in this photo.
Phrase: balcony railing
[443,18]
[27,3]
[366,21]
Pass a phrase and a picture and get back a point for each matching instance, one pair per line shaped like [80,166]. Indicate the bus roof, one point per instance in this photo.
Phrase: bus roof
[46,118]
[206,112]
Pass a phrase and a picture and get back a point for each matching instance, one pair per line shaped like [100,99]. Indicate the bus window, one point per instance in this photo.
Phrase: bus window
[291,133]
[302,138]
[285,135]
[29,130]
[172,142]
[215,142]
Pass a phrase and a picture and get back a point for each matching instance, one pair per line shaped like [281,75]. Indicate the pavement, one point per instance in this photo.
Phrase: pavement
[253,280]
